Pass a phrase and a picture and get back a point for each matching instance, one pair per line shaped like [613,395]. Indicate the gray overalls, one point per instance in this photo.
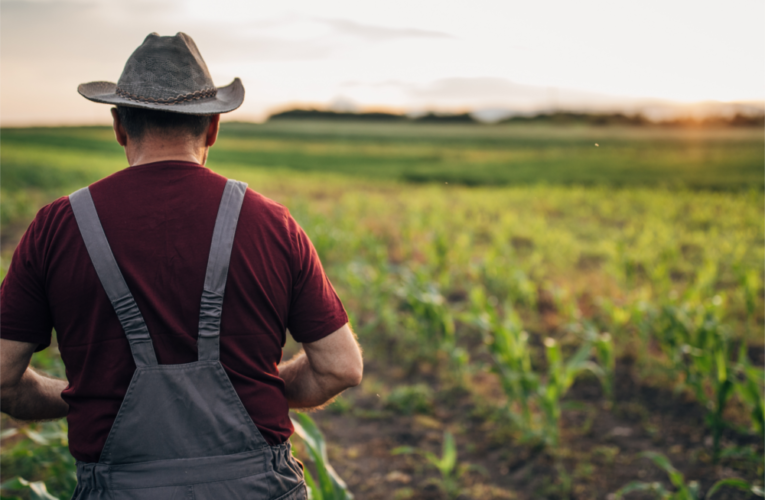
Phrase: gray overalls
[182,431]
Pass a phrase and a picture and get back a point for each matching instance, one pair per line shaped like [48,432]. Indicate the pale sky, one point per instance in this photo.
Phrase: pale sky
[407,55]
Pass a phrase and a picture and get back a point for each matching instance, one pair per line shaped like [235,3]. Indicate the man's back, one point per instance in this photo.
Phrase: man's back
[159,221]
[181,423]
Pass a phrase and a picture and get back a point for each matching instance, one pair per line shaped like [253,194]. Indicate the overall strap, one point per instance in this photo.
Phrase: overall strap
[111,278]
[208,344]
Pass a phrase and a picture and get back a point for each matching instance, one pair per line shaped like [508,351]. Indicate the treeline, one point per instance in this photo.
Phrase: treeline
[556,118]
[309,114]
[737,120]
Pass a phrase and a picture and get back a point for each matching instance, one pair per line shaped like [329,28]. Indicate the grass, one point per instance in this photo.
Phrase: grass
[462,154]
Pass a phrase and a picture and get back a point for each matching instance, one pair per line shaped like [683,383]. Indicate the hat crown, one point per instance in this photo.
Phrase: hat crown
[165,69]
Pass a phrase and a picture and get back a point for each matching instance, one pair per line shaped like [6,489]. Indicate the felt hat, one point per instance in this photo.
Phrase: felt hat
[167,73]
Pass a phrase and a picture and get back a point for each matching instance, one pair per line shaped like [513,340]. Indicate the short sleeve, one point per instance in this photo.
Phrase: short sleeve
[24,312]
[315,309]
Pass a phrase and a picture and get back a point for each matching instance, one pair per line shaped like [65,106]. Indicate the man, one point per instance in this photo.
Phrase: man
[171,290]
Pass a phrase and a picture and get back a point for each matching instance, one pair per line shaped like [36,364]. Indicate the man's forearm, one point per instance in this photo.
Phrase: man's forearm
[34,397]
[306,388]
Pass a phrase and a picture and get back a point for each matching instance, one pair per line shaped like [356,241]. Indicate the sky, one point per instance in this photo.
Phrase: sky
[493,56]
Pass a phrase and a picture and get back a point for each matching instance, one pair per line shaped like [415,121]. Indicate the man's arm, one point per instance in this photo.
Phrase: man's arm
[24,393]
[325,369]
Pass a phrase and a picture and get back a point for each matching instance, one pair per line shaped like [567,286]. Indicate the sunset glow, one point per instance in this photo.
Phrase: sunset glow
[403,55]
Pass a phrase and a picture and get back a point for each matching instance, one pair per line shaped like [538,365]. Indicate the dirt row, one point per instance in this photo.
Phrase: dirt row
[600,448]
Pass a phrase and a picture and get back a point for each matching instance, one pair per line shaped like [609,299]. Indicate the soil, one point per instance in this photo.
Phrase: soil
[599,449]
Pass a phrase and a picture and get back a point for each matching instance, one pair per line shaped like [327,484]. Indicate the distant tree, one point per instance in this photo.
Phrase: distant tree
[556,118]
[445,118]
[315,114]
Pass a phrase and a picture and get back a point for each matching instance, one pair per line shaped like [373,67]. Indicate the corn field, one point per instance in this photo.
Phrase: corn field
[521,342]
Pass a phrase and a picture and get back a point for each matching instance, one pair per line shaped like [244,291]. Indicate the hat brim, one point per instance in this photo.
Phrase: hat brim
[227,99]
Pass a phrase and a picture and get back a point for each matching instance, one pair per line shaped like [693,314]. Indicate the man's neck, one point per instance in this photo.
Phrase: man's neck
[152,150]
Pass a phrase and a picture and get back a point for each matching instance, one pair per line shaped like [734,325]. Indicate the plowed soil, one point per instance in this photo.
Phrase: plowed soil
[599,453]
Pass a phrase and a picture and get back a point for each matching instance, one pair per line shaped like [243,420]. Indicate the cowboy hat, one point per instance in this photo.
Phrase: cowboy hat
[167,73]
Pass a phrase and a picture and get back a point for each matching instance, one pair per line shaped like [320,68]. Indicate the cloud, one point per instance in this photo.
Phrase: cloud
[487,89]
[298,38]
[497,94]
[379,33]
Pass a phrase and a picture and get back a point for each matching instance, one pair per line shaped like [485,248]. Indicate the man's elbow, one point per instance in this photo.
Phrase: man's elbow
[354,374]
[350,373]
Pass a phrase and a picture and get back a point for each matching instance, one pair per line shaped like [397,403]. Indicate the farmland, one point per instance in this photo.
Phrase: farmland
[546,304]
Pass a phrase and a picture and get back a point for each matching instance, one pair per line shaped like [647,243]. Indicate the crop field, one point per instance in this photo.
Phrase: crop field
[570,312]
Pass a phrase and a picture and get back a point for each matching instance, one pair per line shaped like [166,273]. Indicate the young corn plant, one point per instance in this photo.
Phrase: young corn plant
[446,464]
[511,353]
[697,344]
[683,490]
[750,389]
[603,344]
[433,320]
[604,351]
[327,485]
[750,282]
[524,386]
[561,375]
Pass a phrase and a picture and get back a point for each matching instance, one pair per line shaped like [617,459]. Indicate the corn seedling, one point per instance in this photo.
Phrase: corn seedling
[604,353]
[409,399]
[695,341]
[327,485]
[750,388]
[683,490]
[509,346]
[750,282]
[446,464]
[560,376]
[432,319]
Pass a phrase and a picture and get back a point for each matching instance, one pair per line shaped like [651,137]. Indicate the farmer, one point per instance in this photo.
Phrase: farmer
[171,290]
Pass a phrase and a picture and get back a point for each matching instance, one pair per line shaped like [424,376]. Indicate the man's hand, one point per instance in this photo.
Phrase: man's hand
[326,368]
[24,393]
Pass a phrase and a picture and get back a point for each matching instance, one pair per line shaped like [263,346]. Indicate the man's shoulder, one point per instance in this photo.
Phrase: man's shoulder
[259,205]
[54,212]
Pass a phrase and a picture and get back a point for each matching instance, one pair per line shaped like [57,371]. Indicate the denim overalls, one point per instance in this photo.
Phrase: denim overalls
[182,432]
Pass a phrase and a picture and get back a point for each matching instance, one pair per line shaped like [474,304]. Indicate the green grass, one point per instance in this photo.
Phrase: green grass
[462,154]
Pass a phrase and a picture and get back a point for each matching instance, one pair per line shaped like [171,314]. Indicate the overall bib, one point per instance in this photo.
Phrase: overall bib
[182,432]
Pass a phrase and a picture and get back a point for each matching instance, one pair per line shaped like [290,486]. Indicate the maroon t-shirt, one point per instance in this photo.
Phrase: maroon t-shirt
[159,221]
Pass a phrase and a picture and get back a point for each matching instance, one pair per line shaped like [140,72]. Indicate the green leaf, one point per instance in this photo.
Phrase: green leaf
[675,476]
[314,492]
[449,458]
[8,433]
[660,460]
[694,490]
[38,491]
[641,486]
[332,486]
[403,450]
[36,437]
[733,483]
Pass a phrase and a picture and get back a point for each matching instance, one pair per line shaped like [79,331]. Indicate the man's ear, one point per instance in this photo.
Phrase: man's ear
[119,130]
[212,130]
